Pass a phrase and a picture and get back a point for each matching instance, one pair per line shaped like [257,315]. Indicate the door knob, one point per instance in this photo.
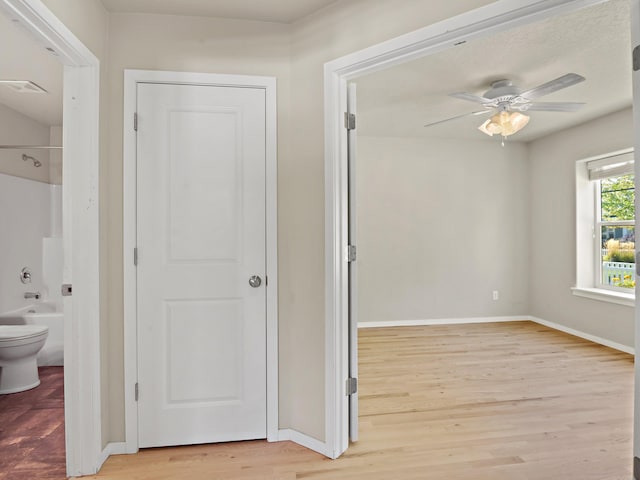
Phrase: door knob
[255,281]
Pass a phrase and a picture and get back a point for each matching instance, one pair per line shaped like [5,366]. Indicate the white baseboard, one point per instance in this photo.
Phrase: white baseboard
[302,439]
[113,448]
[514,318]
[586,336]
[120,448]
[442,321]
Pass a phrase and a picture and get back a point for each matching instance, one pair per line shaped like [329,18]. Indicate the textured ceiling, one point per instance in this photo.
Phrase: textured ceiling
[283,11]
[593,42]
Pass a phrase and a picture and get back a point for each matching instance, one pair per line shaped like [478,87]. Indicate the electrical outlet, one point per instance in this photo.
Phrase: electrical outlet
[496,295]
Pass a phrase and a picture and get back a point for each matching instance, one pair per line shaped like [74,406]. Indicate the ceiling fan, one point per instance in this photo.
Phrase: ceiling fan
[507,102]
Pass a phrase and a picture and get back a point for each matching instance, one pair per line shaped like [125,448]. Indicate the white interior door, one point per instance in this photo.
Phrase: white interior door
[353,268]
[200,239]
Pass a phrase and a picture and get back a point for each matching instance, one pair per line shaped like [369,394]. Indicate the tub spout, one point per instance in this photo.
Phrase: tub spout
[35,295]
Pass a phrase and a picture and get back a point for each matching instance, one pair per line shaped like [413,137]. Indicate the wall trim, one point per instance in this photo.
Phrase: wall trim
[443,321]
[603,295]
[584,335]
[515,318]
[112,448]
[288,434]
[131,80]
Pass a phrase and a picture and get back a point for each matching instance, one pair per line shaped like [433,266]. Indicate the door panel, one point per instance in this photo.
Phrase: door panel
[219,342]
[199,185]
[201,235]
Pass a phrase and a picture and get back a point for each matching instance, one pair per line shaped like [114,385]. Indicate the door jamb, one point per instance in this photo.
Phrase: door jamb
[82,399]
[635,40]
[131,80]
[446,34]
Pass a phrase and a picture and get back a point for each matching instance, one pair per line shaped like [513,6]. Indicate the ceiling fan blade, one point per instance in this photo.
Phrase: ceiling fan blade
[554,85]
[555,107]
[480,112]
[470,97]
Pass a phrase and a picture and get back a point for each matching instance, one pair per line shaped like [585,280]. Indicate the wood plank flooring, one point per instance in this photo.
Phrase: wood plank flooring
[32,430]
[503,401]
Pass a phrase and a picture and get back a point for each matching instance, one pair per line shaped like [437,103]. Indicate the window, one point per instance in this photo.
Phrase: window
[615,231]
[605,227]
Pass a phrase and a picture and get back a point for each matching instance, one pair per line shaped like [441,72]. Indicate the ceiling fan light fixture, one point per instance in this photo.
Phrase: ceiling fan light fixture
[504,124]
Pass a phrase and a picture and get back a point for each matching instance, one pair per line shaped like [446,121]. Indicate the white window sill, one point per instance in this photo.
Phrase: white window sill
[621,298]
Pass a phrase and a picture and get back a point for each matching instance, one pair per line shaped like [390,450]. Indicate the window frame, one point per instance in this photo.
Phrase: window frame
[588,266]
[597,234]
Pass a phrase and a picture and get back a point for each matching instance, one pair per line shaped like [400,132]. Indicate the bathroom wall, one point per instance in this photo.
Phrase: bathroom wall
[18,129]
[30,208]
[55,156]
[52,265]
[52,249]
[26,219]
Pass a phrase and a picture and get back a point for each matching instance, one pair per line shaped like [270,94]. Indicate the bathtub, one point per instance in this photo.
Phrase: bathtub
[42,313]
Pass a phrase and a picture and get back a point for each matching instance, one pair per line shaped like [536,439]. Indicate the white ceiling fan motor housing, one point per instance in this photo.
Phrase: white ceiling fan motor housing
[505,96]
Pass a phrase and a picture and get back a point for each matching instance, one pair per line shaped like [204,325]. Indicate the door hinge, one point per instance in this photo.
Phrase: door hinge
[349,121]
[636,58]
[135,256]
[135,121]
[352,386]
[351,253]
[136,391]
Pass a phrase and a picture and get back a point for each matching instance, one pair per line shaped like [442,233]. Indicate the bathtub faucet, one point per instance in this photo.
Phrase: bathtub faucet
[35,295]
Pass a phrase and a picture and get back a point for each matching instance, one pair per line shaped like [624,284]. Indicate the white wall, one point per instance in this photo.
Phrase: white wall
[295,55]
[244,47]
[162,42]
[553,228]
[25,217]
[18,129]
[441,225]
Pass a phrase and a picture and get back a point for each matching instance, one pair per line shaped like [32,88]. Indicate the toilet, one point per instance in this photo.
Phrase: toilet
[19,346]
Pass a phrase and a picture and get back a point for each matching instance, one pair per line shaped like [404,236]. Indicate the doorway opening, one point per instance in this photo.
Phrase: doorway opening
[80,225]
[439,37]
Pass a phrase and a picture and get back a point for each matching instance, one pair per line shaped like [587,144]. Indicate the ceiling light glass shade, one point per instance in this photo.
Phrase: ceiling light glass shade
[504,123]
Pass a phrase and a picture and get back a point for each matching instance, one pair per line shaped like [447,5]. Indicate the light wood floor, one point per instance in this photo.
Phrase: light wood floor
[503,401]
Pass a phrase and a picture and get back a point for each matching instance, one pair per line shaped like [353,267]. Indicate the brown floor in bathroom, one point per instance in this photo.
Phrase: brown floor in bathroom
[32,430]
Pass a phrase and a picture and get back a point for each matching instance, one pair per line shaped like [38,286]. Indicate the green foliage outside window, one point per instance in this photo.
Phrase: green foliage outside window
[618,198]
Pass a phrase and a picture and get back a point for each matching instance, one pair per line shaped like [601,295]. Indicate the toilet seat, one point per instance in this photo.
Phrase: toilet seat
[21,334]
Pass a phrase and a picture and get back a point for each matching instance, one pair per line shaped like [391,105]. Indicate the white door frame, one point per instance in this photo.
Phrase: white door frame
[131,80]
[82,400]
[425,41]
[635,40]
